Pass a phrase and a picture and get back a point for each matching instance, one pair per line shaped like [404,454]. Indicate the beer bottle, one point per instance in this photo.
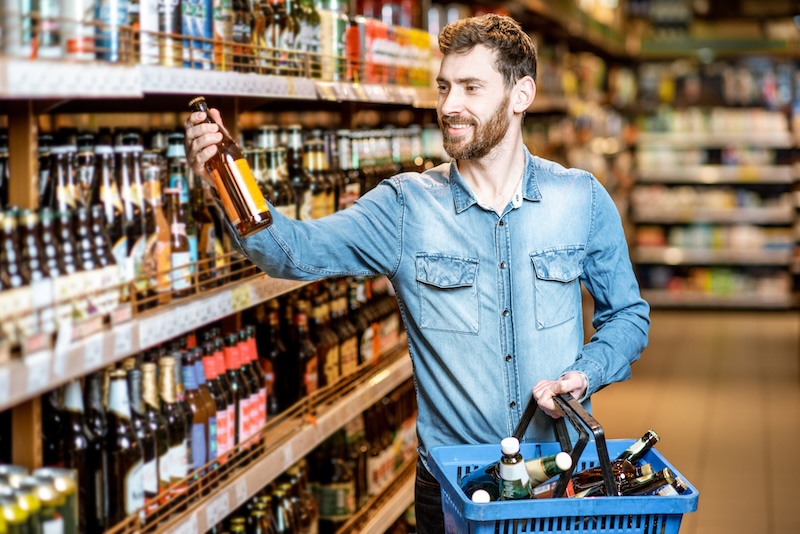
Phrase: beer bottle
[200,421]
[352,182]
[283,195]
[53,261]
[249,355]
[218,428]
[208,401]
[280,36]
[177,435]
[147,437]
[28,500]
[157,425]
[158,251]
[14,516]
[179,353]
[123,456]
[221,388]
[131,224]
[78,454]
[515,483]
[639,448]
[108,270]
[239,389]
[244,204]
[52,431]
[588,478]
[271,351]
[359,315]
[4,172]
[59,193]
[9,252]
[324,339]
[336,492]
[84,168]
[209,246]
[306,351]
[643,485]
[321,191]
[181,256]
[96,424]
[345,331]
[32,266]
[302,182]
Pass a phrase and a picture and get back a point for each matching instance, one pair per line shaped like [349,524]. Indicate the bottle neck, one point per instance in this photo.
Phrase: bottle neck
[118,400]
[73,397]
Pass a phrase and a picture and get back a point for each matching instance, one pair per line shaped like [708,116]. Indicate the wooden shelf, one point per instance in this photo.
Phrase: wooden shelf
[683,256]
[668,299]
[717,174]
[45,368]
[774,216]
[719,139]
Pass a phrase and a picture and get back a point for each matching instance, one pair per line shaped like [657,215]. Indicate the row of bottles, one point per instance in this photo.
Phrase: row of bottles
[321,492]
[44,501]
[284,37]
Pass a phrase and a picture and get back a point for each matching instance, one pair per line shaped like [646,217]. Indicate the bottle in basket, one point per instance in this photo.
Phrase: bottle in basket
[515,483]
[544,468]
[539,469]
[623,470]
[639,448]
[237,187]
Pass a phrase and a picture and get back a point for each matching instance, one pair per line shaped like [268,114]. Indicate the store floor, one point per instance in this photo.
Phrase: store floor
[723,391]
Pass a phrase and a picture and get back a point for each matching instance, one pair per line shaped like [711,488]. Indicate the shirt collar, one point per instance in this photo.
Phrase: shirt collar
[527,189]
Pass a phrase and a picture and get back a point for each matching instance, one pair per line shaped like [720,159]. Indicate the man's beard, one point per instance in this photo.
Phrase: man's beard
[485,137]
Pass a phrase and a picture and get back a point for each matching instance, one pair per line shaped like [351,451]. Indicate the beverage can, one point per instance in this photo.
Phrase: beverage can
[110,14]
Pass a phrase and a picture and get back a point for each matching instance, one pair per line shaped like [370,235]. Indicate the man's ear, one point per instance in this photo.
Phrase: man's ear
[524,93]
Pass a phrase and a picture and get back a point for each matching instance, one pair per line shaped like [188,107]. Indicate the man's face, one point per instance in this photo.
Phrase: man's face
[473,104]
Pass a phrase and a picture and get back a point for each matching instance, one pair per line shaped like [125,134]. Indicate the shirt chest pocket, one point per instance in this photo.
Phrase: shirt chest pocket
[448,293]
[556,286]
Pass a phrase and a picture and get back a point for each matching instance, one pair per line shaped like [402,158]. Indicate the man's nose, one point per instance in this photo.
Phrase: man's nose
[451,103]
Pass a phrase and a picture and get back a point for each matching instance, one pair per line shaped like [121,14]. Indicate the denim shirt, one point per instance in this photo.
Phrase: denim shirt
[491,302]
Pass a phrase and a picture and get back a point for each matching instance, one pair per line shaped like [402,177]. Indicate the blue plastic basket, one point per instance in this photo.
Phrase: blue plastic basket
[641,514]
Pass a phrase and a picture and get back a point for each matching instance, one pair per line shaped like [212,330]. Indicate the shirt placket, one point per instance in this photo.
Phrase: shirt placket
[510,370]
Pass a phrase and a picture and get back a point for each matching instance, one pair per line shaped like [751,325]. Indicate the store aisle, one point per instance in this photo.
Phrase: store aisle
[723,391]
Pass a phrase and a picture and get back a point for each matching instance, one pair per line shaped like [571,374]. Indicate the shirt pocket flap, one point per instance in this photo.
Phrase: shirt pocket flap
[446,271]
[562,264]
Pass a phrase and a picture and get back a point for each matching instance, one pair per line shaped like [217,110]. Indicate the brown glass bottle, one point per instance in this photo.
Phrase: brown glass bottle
[324,339]
[180,251]
[131,224]
[32,266]
[147,438]
[171,409]
[283,196]
[345,331]
[96,423]
[200,422]
[226,429]
[123,455]
[306,351]
[302,182]
[209,246]
[60,190]
[208,402]
[239,389]
[271,351]
[158,250]
[321,190]
[244,204]
[157,425]
[78,451]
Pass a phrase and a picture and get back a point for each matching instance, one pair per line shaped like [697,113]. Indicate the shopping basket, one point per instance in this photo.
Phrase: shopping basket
[614,514]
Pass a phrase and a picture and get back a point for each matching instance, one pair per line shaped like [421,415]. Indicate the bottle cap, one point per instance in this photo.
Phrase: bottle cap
[563,461]
[510,445]
[481,496]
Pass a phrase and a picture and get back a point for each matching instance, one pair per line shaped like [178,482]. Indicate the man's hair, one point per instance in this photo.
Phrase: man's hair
[516,55]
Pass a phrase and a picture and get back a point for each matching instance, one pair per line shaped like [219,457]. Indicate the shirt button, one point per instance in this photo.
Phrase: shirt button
[502,265]
[512,404]
[505,313]
[501,223]
[508,357]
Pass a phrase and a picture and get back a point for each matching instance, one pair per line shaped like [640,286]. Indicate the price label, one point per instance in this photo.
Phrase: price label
[93,352]
[241,492]
[5,385]
[218,509]
[240,297]
[191,313]
[224,304]
[290,90]
[189,526]
[61,350]
[123,339]
[38,367]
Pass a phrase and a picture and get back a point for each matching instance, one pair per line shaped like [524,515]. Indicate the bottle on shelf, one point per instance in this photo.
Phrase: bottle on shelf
[146,435]
[79,453]
[157,261]
[123,457]
[200,419]
[157,424]
[324,339]
[345,330]
[180,248]
[306,351]
[283,196]
[177,431]
[239,390]
[302,182]
[209,247]
[244,204]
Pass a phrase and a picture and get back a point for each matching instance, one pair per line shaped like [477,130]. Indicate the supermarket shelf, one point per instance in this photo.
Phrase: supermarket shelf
[695,139]
[777,216]
[44,368]
[682,256]
[717,174]
[21,78]
[398,495]
[668,299]
[287,446]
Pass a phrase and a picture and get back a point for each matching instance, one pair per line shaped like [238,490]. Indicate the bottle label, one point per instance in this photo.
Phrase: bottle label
[179,460]
[374,474]
[178,229]
[244,423]
[262,407]
[164,470]
[310,379]
[150,480]
[157,263]
[248,186]
[53,526]
[193,250]
[179,181]
[337,500]
[134,492]
[198,446]
[137,254]
[109,196]
[514,480]
[213,438]
[181,274]
[331,365]
[348,355]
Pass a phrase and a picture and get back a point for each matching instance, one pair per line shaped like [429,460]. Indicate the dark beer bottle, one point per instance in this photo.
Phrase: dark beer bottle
[158,426]
[171,409]
[79,452]
[147,437]
[244,204]
[301,180]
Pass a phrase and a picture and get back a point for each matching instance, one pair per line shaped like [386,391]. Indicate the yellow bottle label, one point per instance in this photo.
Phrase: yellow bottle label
[227,203]
[247,182]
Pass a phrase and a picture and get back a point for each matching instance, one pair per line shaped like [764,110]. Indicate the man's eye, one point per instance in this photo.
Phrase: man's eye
[442,89]
[472,88]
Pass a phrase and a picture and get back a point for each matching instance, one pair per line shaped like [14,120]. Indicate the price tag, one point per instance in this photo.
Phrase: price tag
[218,509]
[61,350]
[5,385]
[123,339]
[240,297]
[38,367]
[241,492]
[189,526]
[290,90]
[224,304]
[93,352]
[191,313]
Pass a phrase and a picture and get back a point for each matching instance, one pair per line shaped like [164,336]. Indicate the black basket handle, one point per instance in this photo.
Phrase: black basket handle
[581,420]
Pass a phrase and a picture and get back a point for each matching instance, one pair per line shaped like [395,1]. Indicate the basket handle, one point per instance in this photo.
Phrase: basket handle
[581,420]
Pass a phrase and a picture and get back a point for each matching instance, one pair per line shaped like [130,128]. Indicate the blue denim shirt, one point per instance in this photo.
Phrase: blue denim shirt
[491,302]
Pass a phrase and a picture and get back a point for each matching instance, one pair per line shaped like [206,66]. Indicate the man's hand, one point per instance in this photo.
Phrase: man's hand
[572,382]
[201,141]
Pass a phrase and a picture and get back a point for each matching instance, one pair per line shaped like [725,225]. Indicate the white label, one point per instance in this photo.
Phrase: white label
[61,349]
[134,492]
[123,339]
[38,366]
[150,477]
[180,461]
[93,352]
[241,492]
[218,509]
[53,526]
[181,274]
[190,526]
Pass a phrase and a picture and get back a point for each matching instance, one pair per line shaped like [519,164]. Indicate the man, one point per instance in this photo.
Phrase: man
[486,254]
